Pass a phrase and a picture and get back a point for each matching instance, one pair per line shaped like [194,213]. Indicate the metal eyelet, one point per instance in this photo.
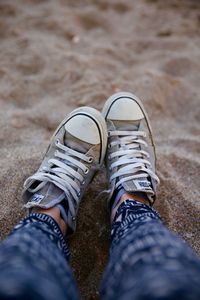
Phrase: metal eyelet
[90,159]
[83,182]
[73,219]
[86,171]
[57,141]
[79,193]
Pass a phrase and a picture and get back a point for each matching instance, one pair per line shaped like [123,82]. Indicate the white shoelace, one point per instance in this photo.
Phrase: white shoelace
[131,161]
[61,172]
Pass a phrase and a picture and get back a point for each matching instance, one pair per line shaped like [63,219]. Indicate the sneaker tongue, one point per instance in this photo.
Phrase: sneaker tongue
[126,125]
[138,185]
[50,193]
[76,144]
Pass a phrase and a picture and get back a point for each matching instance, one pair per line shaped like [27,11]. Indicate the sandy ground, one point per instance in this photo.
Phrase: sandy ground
[59,54]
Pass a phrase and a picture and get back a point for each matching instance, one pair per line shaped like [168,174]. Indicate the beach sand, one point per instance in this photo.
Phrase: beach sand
[60,54]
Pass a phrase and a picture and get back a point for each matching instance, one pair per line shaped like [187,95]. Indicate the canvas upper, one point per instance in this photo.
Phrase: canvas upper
[75,154]
[130,158]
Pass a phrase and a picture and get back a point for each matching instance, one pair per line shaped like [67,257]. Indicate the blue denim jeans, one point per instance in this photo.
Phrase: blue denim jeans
[146,260]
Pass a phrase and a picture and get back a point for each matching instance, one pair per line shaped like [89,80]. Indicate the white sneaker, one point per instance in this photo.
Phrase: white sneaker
[75,154]
[130,157]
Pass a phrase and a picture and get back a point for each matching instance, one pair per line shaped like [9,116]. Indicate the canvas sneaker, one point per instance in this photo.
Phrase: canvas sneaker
[75,154]
[130,157]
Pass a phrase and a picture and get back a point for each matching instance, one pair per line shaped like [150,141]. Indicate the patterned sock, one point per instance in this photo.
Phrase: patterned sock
[63,207]
[118,193]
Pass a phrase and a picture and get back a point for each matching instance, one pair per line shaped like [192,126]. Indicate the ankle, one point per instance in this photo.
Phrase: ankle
[127,196]
[54,212]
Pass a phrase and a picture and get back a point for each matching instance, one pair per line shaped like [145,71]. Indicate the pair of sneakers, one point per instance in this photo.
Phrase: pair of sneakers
[121,135]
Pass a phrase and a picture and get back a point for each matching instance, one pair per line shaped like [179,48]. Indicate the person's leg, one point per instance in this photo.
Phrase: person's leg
[146,260]
[34,258]
[34,262]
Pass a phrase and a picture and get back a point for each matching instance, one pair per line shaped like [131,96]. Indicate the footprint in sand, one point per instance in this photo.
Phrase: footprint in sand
[119,7]
[55,28]
[36,1]
[7,10]
[90,21]
[18,95]
[7,31]
[30,63]
[178,66]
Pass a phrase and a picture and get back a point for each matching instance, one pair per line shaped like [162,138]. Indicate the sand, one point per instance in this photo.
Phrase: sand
[57,55]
